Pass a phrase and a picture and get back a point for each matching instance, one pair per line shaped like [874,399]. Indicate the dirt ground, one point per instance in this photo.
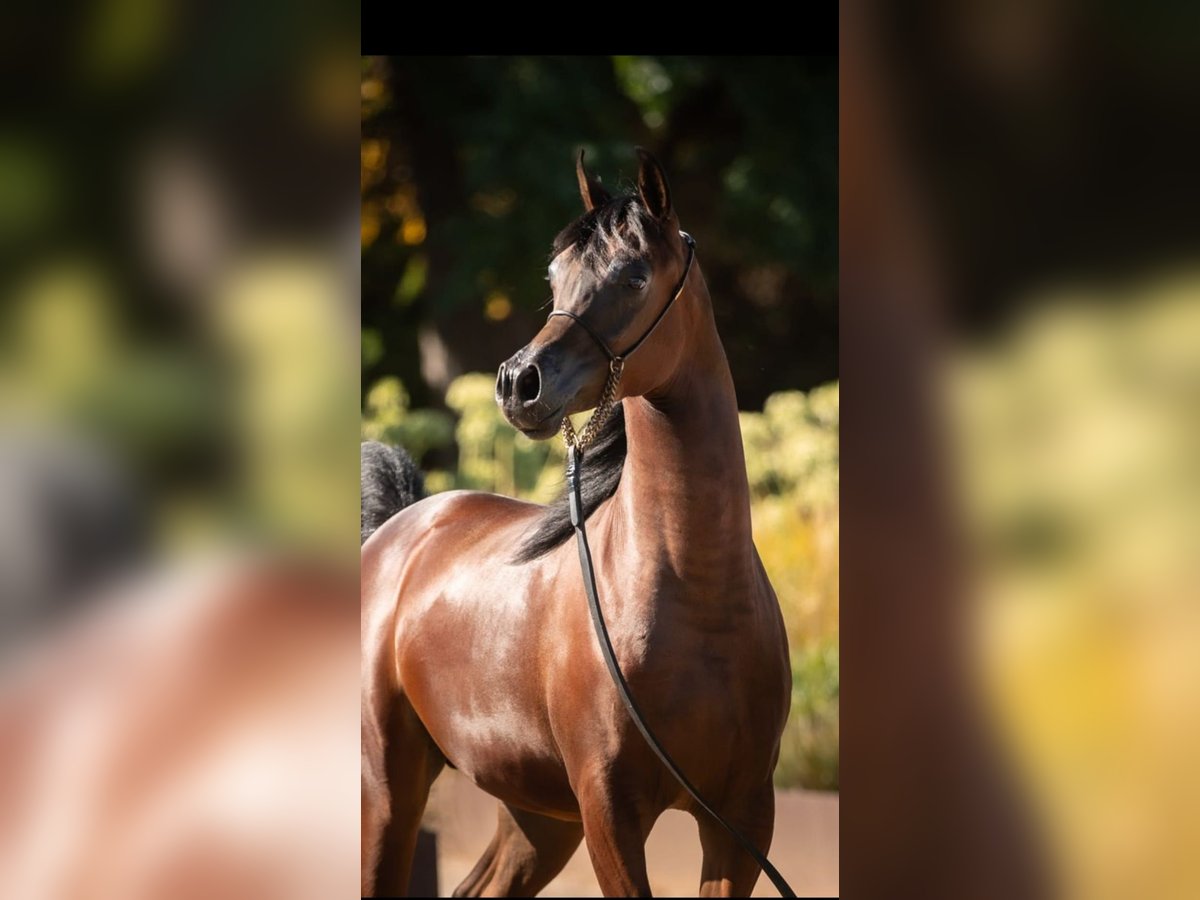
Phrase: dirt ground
[805,848]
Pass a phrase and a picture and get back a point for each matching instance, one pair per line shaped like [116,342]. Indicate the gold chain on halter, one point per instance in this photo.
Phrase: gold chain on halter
[600,416]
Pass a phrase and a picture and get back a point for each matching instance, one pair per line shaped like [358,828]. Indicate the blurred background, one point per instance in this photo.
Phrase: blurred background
[178,481]
[173,235]
[1021,526]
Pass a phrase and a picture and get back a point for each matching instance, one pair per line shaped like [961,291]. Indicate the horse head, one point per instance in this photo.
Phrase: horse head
[614,271]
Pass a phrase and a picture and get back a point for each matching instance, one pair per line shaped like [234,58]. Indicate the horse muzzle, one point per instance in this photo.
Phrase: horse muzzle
[525,398]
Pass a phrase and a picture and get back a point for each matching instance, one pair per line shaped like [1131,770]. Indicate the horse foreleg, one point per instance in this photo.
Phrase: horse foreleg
[728,870]
[616,835]
[527,851]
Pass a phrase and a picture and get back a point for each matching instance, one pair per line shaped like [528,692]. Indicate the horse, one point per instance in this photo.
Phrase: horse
[478,651]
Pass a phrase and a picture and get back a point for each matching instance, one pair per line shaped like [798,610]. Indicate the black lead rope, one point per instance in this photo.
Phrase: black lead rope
[574,475]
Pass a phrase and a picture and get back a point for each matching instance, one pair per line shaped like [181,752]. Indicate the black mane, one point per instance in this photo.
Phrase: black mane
[602,467]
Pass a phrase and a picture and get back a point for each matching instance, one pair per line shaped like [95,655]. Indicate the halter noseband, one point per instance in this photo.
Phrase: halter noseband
[616,361]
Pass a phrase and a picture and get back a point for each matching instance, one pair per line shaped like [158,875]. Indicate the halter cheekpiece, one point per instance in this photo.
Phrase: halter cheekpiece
[616,361]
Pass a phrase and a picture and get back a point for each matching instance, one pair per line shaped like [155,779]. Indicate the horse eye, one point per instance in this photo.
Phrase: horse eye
[637,282]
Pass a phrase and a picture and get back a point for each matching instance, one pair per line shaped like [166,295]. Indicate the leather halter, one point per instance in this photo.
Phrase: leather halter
[603,344]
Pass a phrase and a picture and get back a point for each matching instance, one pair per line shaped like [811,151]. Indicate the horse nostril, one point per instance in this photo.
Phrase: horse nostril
[529,384]
[500,391]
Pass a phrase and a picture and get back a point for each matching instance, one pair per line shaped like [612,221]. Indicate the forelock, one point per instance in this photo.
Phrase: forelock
[621,224]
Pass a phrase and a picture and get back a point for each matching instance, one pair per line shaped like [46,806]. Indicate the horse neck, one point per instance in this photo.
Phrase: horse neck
[683,491]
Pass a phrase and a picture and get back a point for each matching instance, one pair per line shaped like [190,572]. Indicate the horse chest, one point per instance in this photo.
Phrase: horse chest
[708,685]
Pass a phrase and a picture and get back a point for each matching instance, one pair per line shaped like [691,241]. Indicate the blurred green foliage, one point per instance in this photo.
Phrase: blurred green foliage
[390,419]
[808,756]
[792,463]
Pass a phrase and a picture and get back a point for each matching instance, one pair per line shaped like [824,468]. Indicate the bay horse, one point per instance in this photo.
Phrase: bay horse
[478,650]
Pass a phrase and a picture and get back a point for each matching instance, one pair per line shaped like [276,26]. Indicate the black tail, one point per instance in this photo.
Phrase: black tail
[390,482]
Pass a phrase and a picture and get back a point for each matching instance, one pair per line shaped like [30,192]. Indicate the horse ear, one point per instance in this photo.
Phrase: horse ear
[590,189]
[652,185]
